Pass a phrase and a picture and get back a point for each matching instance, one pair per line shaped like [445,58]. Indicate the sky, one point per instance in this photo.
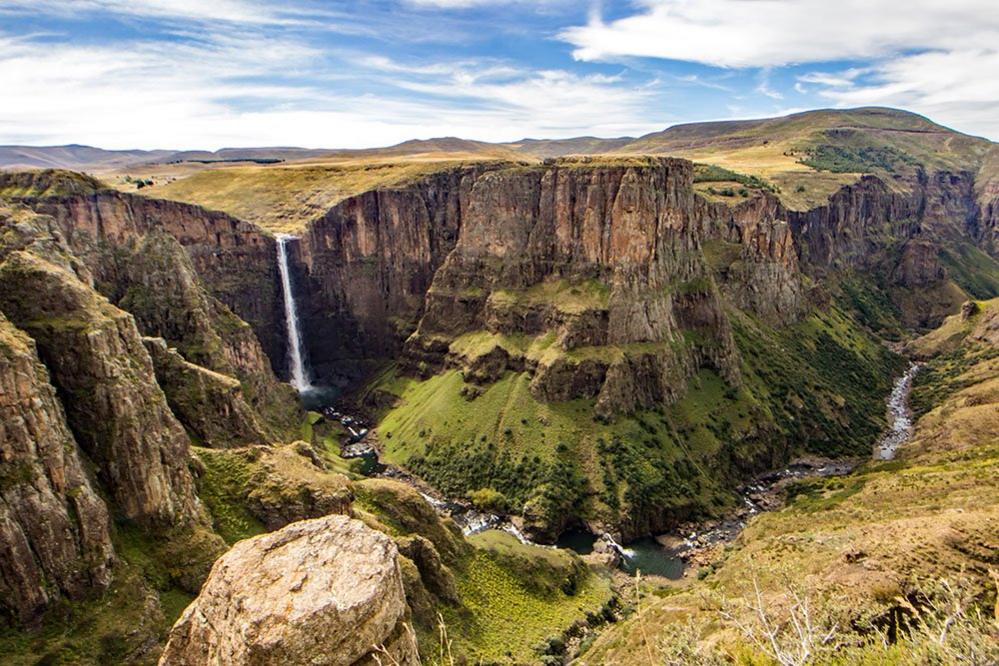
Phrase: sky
[183,74]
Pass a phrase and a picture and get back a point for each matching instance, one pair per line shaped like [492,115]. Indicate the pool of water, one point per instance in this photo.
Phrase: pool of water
[647,556]
[369,464]
[318,398]
[579,541]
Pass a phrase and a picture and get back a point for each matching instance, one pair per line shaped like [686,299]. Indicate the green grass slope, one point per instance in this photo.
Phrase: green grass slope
[816,386]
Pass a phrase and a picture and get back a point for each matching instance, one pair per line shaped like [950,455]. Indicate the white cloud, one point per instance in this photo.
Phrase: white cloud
[236,11]
[937,58]
[958,88]
[762,33]
[215,92]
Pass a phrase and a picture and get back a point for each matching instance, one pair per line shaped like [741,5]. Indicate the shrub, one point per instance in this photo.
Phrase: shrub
[488,499]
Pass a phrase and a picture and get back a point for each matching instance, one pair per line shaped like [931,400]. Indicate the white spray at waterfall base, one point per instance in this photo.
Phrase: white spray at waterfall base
[299,372]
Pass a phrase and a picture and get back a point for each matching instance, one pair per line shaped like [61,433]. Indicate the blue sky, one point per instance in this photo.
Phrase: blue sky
[215,73]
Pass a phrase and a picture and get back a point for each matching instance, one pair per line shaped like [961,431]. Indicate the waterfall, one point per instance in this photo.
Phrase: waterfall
[299,373]
[626,553]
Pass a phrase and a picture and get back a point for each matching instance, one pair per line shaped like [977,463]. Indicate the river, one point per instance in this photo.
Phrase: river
[667,555]
[899,414]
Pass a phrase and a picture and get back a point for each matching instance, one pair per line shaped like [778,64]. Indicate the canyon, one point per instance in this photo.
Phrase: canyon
[593,343]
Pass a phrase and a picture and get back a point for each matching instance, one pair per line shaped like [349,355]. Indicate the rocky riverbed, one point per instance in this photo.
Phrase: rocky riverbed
[691,543]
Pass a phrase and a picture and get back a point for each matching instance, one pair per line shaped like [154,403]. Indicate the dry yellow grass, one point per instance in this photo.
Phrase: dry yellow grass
[285,197]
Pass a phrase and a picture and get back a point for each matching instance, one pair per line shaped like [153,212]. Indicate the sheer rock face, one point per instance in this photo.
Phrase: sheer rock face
[364,267]
[843,233]
[753,253]
[235,259]
[54,534]
[209,404]
[606,259]
[323,592]
[182,271]
[105,379]
[154,280]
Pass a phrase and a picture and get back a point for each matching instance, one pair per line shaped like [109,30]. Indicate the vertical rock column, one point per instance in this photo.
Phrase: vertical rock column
[53,526]
[105,379]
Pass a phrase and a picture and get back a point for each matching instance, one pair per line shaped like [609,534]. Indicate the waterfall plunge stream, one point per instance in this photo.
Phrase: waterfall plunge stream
[299,373]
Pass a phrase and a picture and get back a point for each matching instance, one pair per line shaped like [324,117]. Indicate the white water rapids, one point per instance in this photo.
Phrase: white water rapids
[299,373]
[900,415]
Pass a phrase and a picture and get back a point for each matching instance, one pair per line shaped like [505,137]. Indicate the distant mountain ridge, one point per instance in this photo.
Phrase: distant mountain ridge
[862,140]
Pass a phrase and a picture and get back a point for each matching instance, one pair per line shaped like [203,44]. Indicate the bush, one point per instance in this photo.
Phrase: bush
[489,500]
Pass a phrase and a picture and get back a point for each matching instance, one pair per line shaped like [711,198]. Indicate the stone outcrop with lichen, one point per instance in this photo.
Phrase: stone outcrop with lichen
[325,591]
[54,532]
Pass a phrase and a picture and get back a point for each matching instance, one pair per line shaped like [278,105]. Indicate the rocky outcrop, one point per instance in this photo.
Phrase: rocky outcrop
[849,231]
[175,268]
[281,484]
[155,281]
[364,267]
[210,405]
[325,591]
[105,378]
[754,255]
[235,260]
[54,533]
[602,258]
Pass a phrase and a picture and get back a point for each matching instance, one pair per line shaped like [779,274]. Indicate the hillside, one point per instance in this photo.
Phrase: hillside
[809,155]
[803,157]
[867,551]
[284,198]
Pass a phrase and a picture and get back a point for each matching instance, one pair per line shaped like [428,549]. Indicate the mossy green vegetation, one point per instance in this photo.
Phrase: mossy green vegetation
[571,297]
[864,159]
[47,183]
[815,386]
[515,596]
[712,173]
[222,487]
[115,627]
[507,596]
[900,550]
[156,576]
[974,271]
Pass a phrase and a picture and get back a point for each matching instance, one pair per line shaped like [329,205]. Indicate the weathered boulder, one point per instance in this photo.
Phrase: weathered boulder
[54,534]
[327,591]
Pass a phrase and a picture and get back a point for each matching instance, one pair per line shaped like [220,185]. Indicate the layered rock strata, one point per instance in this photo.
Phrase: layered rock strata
[105,378]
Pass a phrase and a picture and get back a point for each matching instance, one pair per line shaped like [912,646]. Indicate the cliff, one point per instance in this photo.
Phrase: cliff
[600,264]
[181,272]
[117,410]
[363,269]
[53,525]
[209,404]
[235,260]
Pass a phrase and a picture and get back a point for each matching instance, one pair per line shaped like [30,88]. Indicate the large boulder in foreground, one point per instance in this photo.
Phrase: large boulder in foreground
[321,592]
